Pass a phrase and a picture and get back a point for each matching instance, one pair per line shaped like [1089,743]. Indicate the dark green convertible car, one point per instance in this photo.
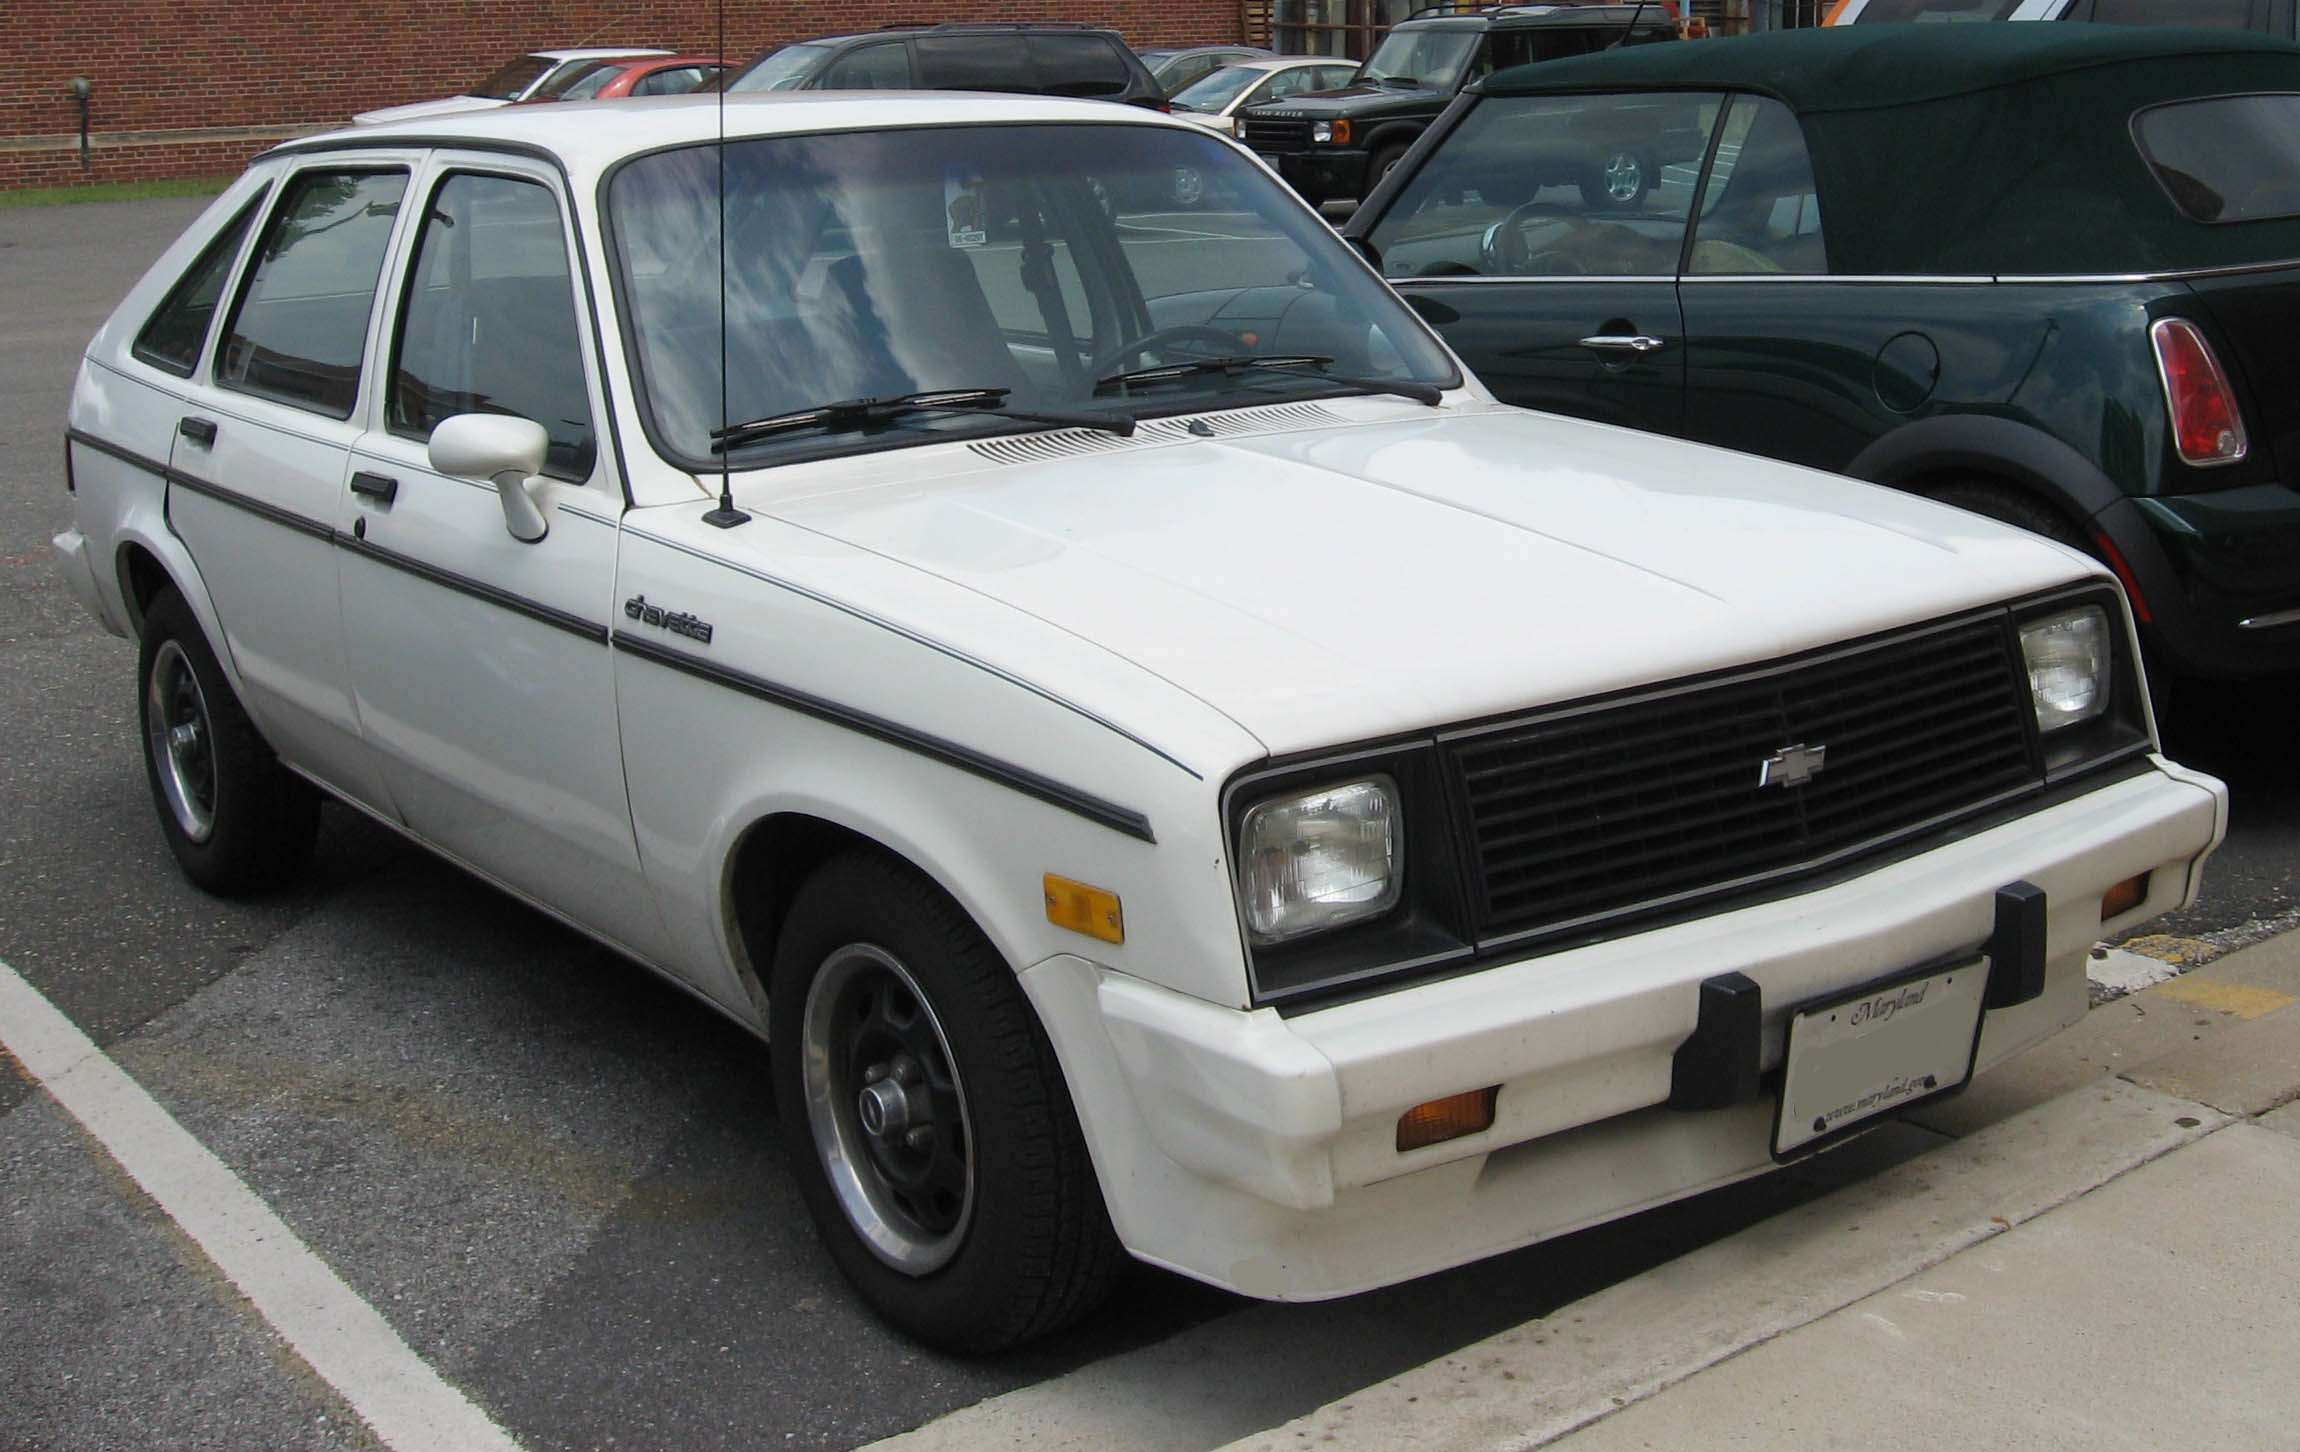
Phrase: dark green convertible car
[2047,272]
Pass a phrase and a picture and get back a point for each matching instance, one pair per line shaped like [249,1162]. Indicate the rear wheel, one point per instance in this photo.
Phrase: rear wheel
[236,819]
[929,1125]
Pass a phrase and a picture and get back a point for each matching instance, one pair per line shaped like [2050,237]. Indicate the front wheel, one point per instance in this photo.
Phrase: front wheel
[237,820]
[928,1122]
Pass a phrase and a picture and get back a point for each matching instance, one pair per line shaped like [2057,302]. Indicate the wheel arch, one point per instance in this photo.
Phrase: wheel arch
[144,562]
[2026,459]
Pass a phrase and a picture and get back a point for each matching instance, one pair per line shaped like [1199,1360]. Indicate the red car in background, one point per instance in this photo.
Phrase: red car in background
[649,75]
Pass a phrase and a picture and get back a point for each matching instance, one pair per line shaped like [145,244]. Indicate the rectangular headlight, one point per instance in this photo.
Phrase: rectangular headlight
[1320,859]
[2069,672]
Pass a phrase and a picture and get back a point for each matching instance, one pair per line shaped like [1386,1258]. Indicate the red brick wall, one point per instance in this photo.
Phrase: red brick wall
[177,65]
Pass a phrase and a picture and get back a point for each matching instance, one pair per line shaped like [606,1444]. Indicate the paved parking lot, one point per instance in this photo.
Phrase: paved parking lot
[558,1180]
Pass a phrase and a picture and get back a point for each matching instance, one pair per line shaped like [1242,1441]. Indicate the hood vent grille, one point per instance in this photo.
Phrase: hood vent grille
[1066,443]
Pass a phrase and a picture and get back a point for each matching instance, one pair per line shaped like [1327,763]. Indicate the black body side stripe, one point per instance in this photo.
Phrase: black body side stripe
[478,589]
[256,507]
[125,456]
[950,753]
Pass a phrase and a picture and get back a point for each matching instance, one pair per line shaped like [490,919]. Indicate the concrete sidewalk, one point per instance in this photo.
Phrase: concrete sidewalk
[2107,1257]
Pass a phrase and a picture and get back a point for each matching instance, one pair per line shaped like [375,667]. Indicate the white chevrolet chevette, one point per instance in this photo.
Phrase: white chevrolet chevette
[1169,763]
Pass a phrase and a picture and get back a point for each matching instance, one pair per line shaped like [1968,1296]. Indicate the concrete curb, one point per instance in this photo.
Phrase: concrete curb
[1542,1380]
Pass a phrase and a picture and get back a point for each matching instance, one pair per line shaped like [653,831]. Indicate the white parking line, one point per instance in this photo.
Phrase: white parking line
[345,1340]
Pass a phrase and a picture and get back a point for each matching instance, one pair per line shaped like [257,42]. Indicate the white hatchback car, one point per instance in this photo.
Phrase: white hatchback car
[1168,761]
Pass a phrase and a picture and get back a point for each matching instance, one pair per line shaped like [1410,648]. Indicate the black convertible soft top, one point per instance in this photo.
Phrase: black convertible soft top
[1963,149]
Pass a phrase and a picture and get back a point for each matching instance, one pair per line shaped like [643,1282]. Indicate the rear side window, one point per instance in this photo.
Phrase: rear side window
[173,337]
[301,321]
[2227,159]
[1761,213]
[884,66]
[1077,65]
[972,63]
[489,321]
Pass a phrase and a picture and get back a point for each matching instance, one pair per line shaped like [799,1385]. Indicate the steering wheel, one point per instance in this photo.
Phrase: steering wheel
[1504,243]
[1158,338]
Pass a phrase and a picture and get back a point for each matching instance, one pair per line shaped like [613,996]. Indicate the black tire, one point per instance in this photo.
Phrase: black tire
[1031,1250]
[237,820]
[1380,165]
[2009,506]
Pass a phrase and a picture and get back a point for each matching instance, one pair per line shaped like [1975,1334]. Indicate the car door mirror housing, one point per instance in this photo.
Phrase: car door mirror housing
[503,449]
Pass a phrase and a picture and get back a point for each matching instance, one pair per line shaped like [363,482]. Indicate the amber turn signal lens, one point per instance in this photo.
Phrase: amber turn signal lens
[1447,1118]
[2123,897]
[1083,909]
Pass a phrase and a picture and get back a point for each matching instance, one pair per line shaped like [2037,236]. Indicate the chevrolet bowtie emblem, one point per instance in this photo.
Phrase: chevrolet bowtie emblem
[1791,765]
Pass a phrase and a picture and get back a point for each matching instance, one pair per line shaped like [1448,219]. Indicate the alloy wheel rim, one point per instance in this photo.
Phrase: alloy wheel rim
[1624,175]
[182,742]
[887,1109]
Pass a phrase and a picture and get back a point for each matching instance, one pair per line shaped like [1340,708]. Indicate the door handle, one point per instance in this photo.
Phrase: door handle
[381,488]
[198,430]
[1624,343]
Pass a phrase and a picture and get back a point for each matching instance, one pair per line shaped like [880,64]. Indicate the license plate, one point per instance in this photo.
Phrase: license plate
[1868,1053]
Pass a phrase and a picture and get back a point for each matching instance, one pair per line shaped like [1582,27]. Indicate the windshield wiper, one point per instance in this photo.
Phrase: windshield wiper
[1300,365]
[858,413]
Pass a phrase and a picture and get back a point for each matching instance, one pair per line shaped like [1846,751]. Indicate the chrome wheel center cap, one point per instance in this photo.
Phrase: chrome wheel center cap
[884,1109]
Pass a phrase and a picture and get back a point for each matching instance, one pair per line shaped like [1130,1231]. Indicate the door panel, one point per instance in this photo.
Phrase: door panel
[1534,344]
[265,445]
[480,661]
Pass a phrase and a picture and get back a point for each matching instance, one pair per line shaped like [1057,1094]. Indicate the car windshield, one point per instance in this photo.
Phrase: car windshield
[1216,89]
[1038,260]
[785,70]
[1429,58]
[512,81]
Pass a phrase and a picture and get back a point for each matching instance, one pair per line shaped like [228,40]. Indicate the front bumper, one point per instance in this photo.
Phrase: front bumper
[1322,174]
[1258,1152]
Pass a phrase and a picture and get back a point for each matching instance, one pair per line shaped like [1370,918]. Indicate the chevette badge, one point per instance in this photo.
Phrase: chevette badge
[678,622]
[1791,765]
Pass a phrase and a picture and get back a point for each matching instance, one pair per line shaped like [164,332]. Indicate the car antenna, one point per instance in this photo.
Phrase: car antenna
[618,20]
[1631,28]
[726,516]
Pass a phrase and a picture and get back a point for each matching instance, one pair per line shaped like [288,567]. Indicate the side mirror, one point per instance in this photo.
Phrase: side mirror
[503,449]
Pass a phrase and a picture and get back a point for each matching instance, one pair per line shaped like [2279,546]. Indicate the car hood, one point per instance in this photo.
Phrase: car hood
[1348,101]
[415,110]
[1343,584]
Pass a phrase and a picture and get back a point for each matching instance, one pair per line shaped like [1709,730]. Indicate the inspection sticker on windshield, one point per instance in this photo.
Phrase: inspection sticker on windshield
[962,206]
[1851,1059]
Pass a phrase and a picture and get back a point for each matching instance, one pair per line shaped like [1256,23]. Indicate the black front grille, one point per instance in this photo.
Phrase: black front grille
[1269,133]
[1598,811]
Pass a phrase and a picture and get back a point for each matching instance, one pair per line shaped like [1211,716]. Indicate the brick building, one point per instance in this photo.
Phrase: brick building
[195,87]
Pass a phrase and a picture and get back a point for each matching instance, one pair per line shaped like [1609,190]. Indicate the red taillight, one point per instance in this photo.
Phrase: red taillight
[2206,428]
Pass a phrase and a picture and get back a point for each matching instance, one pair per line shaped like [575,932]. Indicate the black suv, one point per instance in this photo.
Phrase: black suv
[1038,60]
[1338,143]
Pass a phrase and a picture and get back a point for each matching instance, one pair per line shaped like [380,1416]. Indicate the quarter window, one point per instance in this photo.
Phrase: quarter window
[1077,65]
[2227,159]
[301,321]
[1760,213]
[1554,185]
[179,328]
[489,322]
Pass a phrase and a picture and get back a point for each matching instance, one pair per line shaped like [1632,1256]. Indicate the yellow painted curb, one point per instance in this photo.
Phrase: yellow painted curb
[2241,999]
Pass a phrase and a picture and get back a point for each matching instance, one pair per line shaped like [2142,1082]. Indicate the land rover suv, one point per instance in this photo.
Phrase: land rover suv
[1338,144]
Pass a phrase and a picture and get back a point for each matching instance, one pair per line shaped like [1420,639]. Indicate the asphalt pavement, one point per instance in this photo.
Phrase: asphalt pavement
[558,1181]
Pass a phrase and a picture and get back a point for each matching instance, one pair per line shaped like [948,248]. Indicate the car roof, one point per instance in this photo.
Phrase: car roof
[1289,62]
[587,137]
[597,51]
[1866,67]
[1648,16]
